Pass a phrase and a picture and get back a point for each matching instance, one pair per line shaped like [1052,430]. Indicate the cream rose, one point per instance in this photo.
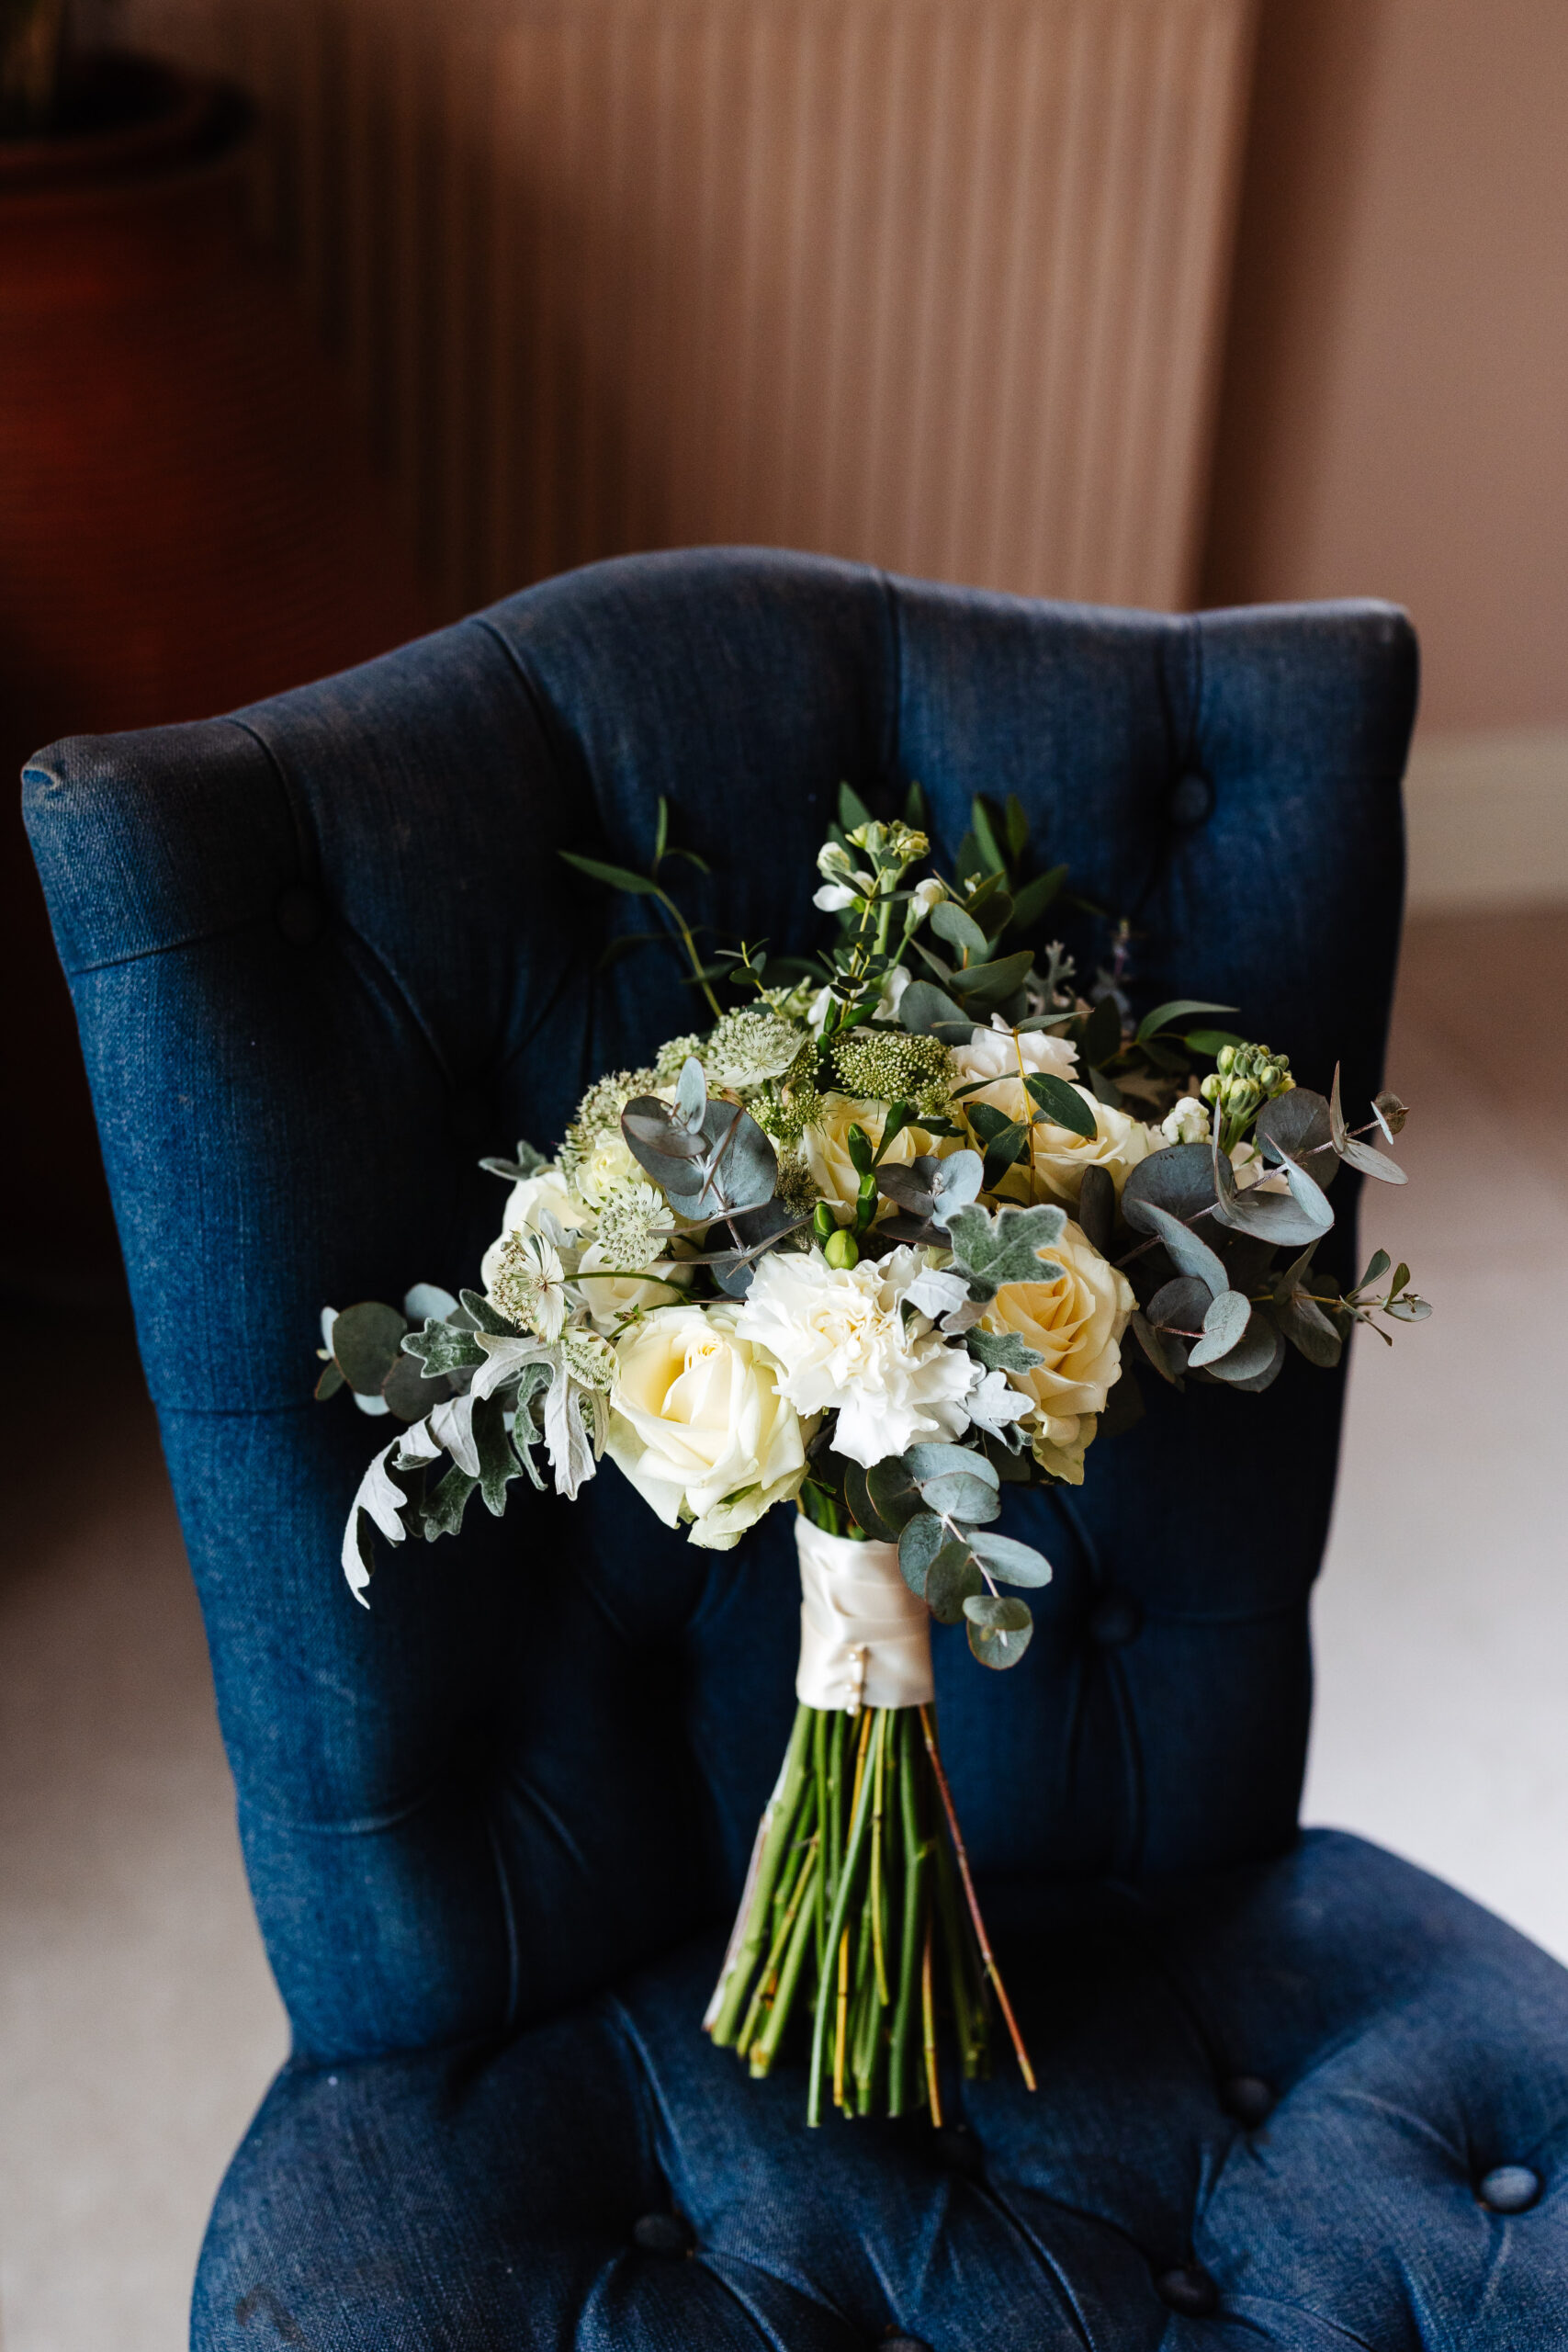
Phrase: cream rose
[1074,1322]
[825,1149]
[1057,1157]
[698,1425]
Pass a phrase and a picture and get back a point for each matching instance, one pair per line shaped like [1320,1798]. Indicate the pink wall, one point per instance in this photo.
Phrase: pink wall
[1395,413]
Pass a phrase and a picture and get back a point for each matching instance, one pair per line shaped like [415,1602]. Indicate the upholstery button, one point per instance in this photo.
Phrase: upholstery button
[663,2234]
[1510,2188]
[300,914]
[1248,2098]
[959,2149]
[1115,1619]
[1192,801]
[1189,2290]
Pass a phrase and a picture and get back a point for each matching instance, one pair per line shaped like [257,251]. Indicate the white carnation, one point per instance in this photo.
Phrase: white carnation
[843,1344]
[1186,1122]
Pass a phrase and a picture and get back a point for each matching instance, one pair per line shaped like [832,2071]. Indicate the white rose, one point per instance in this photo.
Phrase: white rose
[697,1423]
[825,1149]
[1075,1322]
[843,1344]
[540,1203]
[612,1298]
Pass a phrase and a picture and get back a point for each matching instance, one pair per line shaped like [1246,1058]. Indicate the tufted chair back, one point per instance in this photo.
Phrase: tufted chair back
[324,954]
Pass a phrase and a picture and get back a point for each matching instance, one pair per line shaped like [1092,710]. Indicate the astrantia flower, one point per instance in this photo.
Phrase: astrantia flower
[843,1344]
[527,1283]
[599,1114]
[747,1048]
[633,1226]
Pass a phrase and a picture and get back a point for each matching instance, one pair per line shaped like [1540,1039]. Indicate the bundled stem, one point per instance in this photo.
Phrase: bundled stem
[852,1904]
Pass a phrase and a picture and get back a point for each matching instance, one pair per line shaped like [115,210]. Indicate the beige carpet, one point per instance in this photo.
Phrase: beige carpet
[138,2023]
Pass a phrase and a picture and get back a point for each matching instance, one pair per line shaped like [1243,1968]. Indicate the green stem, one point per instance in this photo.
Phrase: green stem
[917,1857]
[880,1743]
[820,1783]
[776,1990]
[787,1896]
[690,946]
[836,1929]
[773,1837]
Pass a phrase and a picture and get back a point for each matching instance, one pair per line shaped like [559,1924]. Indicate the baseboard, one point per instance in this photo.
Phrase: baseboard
[1488,818]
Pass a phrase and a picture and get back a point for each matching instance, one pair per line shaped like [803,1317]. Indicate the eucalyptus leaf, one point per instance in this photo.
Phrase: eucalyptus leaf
[1014,1563]
[935,1459]
[1097,1209]
[330,1381]
[1062,1104]
[1182,1306]
[1167,1357]
[863,1510]
[951,1579]
[1392,1112]
[1255,1355]
[1408,1310]
[1000,1629]
[692,1094]
[411,1393]
[1295,1124]
[1225,1326]
[922,1539]
[963,1497]
[1180,1180]
[1307,1328]
[366,1342]
[1371,1163]
[1182,1247]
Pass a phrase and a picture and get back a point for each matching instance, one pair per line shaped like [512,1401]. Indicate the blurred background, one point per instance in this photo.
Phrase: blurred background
[323,320]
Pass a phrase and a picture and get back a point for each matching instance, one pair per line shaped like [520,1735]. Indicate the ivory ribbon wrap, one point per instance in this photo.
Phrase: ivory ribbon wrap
[865,1641]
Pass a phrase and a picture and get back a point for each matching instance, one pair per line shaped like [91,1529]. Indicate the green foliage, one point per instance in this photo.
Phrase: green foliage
[365,1341]
[1007,1248]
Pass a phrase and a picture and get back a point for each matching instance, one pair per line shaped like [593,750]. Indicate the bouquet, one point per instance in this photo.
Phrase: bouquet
[873,1244]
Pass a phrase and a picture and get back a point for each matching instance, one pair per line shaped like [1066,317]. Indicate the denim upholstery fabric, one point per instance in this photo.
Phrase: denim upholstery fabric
[324,954]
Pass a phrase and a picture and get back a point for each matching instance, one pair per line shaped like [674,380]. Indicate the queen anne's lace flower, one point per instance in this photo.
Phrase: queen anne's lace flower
[842,1343]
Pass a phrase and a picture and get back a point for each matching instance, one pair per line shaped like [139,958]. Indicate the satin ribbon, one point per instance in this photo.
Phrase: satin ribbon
[865,1641]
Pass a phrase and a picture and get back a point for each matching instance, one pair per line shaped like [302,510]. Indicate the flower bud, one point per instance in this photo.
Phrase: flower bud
[841,1250]
[928,894]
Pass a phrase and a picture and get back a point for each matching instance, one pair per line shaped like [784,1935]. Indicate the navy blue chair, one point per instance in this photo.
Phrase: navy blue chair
[324,954]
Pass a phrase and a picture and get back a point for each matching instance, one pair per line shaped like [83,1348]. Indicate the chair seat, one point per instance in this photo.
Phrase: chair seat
[1319,2102]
